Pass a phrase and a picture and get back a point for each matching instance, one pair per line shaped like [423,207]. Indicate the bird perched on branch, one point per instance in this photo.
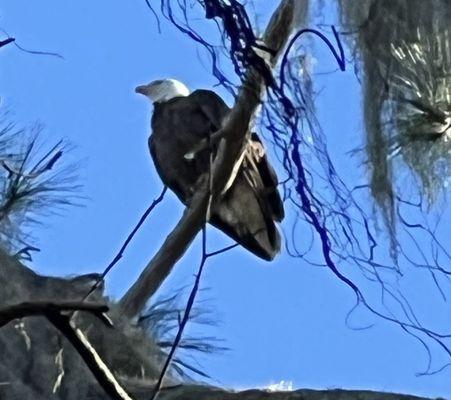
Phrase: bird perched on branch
[182,139]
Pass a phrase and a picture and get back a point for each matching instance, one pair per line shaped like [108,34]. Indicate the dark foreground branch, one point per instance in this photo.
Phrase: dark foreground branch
[90,356]
[209,393]
[54,313]
[45,309]
[18,282]
[6,41]
[230,147]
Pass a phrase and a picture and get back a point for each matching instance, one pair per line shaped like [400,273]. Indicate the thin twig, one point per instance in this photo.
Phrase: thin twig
[223,250]
[188,309]
[155,15]
[184,321]
[195,289]
[39,53]
[126,243]
[35,52]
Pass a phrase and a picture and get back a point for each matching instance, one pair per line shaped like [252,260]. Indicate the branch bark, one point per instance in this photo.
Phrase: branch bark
[53,312]
[231,146]
[45,308]
[92,359]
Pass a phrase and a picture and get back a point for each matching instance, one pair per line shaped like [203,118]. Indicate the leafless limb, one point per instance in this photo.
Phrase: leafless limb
[30,309]
[54,312]
[230,147]
[90,356]
[157,20]
[35,52]
[189,306]
[126,243]
[6,41]
[184,321]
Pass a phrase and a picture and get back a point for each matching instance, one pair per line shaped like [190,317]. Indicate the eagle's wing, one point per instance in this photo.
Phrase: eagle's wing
[259,172]
[166,175]
[214,108]
[248,209]
[178,125]
[262,177]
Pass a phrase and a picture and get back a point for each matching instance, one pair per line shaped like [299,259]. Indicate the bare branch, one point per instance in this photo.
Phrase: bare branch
[6,41]
[45,308]
[126,243]
[235,133]
[184,321]
[90,356]
[188,309]
[53,312]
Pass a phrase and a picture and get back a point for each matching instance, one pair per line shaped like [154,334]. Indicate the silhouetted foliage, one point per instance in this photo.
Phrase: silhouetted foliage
[34,182]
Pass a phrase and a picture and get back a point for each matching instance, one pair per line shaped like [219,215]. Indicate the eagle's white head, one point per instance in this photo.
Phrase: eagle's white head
[163,90]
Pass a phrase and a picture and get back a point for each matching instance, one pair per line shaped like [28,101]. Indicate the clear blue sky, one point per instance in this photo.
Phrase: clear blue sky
[283,320]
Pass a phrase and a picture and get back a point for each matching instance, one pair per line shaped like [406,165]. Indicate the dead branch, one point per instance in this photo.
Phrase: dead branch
[54,313]
[90,356]
[46,308]
[186,315]
[6,41]
[230,148]
[119,255]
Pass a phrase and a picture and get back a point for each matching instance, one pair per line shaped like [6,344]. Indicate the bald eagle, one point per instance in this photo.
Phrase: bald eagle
[249,208]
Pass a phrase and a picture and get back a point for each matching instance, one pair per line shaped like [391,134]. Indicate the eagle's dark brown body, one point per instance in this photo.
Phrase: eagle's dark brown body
[248,210]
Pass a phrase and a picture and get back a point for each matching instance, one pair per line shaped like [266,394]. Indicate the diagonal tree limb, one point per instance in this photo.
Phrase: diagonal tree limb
[54,313]
[90,356]
[235,132]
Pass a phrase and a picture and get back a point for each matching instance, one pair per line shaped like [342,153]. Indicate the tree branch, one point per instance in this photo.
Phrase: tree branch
[90,356]
[30,309]
[231,145]
[53,312]
[119,255]
[6,41]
